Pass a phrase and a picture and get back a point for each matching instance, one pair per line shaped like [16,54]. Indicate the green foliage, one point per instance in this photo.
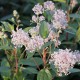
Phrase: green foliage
[78,35]
[44,74]
[44,29]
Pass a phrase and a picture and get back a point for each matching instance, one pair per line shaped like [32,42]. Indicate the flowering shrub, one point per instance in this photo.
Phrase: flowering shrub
[37,50]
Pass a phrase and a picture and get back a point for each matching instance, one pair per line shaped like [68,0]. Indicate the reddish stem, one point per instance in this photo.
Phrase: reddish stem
[44,57]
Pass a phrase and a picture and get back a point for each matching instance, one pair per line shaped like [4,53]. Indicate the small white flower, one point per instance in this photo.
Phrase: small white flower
[34,32]
[41,18]
[34,18]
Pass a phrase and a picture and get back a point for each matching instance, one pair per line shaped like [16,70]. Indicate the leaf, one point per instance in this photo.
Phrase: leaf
[43,30]
[5,71]
[71,31]
[30,61]
[44,74]
[48,15]
[40,1]
[74,15]
[47,44]
[78,35]
[30,70]
[29,55]
[74,70]
[27,29]
[60,0]
[8,27]
[5,63]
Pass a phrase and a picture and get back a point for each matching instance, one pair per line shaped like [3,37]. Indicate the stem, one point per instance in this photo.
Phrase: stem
[22,54]
[36,63]
[44,57]
[15,54]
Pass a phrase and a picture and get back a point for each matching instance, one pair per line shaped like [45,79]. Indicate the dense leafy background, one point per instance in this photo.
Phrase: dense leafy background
[24,7]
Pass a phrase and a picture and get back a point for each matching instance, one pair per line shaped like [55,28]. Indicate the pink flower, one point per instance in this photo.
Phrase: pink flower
[34,18]
[35,44]
[63,60]
[19,38]
[38,9]
[59,19]
[49,5]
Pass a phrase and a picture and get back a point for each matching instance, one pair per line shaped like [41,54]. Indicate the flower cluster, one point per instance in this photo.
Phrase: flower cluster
[49,5]
[59,19]
[63,60]
[57,22]
[38,9]
[37,19]
[77,54]
[20,38]
[35,44]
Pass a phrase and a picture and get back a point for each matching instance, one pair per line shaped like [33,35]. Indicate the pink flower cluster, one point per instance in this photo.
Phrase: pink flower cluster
[20,38]
[35,44]
[59,19]
[77,54]
[49,5]
[38,9]
[37,19]
[63,60]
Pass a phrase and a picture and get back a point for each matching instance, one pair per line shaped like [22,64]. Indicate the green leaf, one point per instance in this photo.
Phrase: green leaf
[5,68]
[31,62]
[5,63]
[74,70]
[78,35]
[47,44]
[27,29]
[19,75]
[74,15]
[30,70]
[40,1]
[5,71]
[71,31]
[8,27]
[60,0]
[29,55]
[48,15]
[44,74]
[43,30]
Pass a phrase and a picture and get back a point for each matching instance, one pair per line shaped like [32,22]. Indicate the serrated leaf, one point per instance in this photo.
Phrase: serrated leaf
[43,30]
[44,74]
